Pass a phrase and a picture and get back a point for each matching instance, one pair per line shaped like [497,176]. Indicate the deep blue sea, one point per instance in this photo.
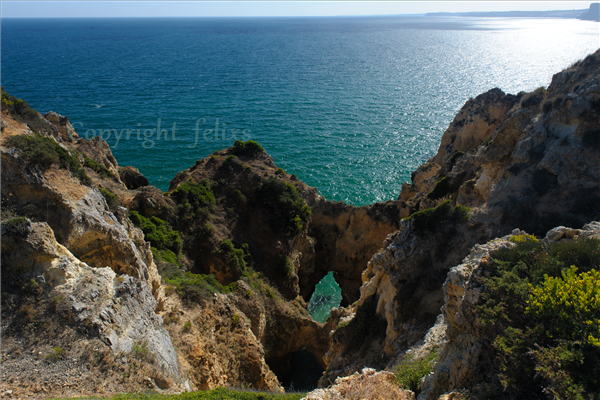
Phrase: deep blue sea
[351,105]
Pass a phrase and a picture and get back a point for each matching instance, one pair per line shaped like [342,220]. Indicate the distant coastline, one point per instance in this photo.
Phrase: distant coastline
[591,14]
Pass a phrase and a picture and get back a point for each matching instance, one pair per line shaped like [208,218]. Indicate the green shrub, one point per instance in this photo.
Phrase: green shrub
[235,257]
[141,351]
[22,112]
[187,326]
[110,197]
[167,263]
[534,98]
[288,210]
[410,371]
[97,167]
[17,225]
[43,152]
[57,354]
[569,306]
[280,171]
[165,255]
[249,148]
[158,232]
[428,220]
[192,198]
[544,317]
[294,177]
[284,266]
[196,287]
[240,197]
[229,159]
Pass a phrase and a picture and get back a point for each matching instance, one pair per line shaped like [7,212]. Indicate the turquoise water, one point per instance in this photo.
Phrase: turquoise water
[350,105]
[326,296]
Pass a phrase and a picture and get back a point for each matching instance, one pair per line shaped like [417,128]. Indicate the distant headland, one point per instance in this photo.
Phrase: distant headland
[591,14]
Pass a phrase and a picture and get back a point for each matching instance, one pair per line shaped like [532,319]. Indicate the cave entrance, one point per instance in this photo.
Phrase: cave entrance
[326,296]
[298,371]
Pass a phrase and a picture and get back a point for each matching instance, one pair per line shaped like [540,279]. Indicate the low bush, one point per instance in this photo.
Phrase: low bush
[165,255]
[57,354]
[235,257]
[196,287]
[428,220]
[110,197]
[248,148]
[17,225]
[288,210]
[284,266]
[194,200]
[410,371]
[97,167]
[158,232]
[22,112]
[544,317]
[534,98]
[43,152]
[141,351]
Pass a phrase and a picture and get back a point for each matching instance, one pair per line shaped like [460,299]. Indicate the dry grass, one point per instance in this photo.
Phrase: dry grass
[374,386]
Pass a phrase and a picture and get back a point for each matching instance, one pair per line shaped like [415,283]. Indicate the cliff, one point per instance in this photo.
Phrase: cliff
[207,284]
[592,14]
[528,161]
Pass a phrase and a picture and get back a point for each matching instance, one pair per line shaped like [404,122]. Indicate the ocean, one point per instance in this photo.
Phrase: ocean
[351,105]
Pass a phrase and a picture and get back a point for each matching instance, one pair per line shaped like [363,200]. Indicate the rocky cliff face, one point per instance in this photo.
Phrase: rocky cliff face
[78,214]
[529,161]
[64,307]
[241,245]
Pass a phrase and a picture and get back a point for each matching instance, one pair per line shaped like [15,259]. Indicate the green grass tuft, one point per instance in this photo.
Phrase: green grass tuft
[410,371]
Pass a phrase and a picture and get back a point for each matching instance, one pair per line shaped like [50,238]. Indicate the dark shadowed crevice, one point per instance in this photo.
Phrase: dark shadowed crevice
[298,371]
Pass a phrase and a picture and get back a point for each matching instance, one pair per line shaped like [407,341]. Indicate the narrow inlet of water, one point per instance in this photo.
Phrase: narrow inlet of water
[326,296]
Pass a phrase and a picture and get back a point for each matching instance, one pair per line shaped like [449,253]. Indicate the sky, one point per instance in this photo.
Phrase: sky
[79,9]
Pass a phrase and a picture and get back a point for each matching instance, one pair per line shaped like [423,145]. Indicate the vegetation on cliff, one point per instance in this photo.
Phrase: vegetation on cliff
[248,148]
[215,394]
[542,306]
[158,232]
[428,220]
[42,152]
[23,112]
[289,211]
